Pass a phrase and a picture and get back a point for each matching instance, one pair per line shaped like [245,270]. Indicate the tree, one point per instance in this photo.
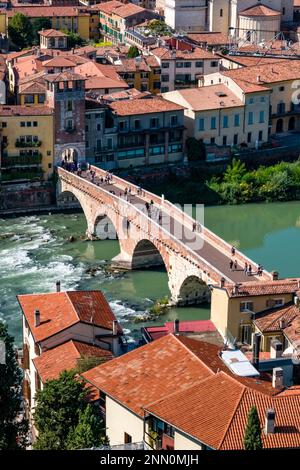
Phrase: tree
[20,31]
[159,27]
[195,150]
[89,431]
[37,25]
[13,427]
[73,38]
[235,171]
[252,437]
[58,407]
[133,52]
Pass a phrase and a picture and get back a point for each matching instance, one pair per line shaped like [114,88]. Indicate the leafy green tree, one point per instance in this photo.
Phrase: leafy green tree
[37,25]
[195,150]
[159,27]
[73,39]
[235,171]
[89,431]
[20,31]
[57,410]
[13,428]
[133,52]
[252,437]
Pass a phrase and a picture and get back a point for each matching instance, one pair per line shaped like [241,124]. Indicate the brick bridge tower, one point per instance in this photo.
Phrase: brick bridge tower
[66,95]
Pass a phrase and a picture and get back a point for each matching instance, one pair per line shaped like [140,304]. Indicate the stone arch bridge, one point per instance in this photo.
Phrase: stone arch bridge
[165,235]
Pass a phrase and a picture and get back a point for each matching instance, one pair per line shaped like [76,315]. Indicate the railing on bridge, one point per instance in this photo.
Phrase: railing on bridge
[150,226]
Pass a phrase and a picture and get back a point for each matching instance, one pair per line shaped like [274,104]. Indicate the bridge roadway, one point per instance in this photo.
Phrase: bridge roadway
[216,252]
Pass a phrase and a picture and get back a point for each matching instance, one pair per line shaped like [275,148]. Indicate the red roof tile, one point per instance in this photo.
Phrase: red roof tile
[259,10]
[27,110]
[146,373]
[65,357]
[269,320]
[249,289]
[60,310]
[146,106]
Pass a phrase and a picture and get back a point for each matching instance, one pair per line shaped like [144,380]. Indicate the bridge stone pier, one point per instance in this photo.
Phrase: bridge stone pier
[147,241]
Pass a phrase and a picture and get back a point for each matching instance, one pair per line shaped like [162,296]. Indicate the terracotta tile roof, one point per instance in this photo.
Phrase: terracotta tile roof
[198,53]
[14,55]
[130,93]
[27,66]
[60,310]
[32,87]
[210,38]
[63,76]
[59,62]
[208,97]
[259,10]
[148,372]
[151,61]
[252,61]
[119,8]
[215,412]
[269,320]
[203,410]
[254,288]
[65,357]
[131,65]
[27,110]
[292,330]
[52,33]
[100,76]
[287,421]
[47,11]
[256,78]
[146,106]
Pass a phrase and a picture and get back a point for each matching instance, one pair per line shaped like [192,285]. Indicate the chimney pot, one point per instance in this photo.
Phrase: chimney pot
[270,422]
[57,286]
[277,377]
[176,327]
[37,318]
[222,282]
[256,349]
[115,327]
[275,275]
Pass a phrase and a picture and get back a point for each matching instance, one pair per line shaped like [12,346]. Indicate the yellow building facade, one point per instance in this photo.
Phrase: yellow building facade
[232,314]
[27,137]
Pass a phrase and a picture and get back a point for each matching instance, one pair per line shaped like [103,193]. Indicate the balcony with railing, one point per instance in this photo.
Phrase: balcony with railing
[21,161]
[28,143]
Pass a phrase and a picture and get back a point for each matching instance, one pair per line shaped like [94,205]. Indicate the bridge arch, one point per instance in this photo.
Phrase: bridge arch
[193,290]
[145,255]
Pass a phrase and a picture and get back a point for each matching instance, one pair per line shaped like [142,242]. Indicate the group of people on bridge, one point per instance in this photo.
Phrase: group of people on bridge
[233,266]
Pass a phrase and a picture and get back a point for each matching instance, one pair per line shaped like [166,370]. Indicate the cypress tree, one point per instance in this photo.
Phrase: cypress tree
[252,437]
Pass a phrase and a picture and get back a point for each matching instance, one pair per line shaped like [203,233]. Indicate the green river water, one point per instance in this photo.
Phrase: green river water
[35,253]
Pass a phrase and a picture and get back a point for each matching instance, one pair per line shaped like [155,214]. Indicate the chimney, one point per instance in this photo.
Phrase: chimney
[277,377]
[37,318]
[176,327]
[276,349]
[255,349]
[57,286]
[282,324]
[222,282]
[115,328]
[235,289]
[258,79]
[270,422]
[275,275]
